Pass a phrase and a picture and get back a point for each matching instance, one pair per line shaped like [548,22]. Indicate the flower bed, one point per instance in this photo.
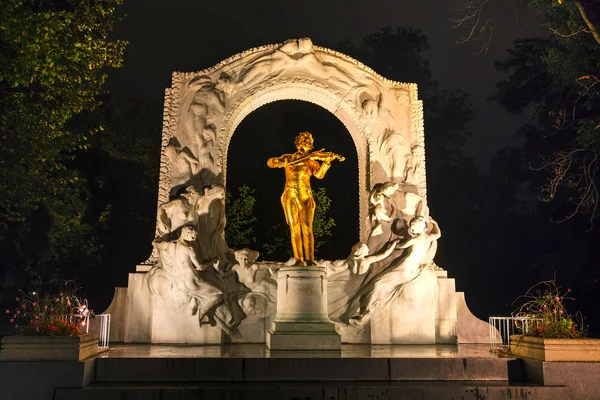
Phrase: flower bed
[551,333]
[51,327]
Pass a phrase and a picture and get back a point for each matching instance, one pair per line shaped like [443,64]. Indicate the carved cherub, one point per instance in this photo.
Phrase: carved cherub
[246,267]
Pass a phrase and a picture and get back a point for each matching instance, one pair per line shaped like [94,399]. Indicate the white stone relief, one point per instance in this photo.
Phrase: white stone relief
[197,138]
[181,279]
[383,285]
[195,277]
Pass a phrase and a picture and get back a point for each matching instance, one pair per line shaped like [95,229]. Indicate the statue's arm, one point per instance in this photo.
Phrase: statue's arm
[407,244]
[188,158]
[435,232]
[383,253]
[320,171]
[160,244]
[278,162]
[194,260]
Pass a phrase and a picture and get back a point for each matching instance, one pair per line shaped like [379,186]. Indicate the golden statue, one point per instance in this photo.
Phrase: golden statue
[297,199]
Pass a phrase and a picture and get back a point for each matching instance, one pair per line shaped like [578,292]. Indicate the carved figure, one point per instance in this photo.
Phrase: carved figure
[179,271]
[382,210]
[359,262]
[390,125]
[385,285]
[254,304]
[410,167]
[209,217]
[183,164]
[297,199]
[176,213]
[293,55]
[246,267]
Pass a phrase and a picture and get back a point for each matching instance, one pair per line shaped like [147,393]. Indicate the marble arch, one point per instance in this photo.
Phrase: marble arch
[195,289]
[203,109]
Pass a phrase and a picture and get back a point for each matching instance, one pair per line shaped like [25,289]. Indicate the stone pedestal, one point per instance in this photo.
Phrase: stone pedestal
[302,322]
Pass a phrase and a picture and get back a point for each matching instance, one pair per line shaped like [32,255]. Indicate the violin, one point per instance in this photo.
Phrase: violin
[319,155]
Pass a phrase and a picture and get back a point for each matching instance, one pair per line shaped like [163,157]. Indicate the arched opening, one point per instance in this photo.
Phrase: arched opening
[269,131]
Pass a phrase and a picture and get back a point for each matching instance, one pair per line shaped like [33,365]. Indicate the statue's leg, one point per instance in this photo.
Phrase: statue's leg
[290,203]
[307,215]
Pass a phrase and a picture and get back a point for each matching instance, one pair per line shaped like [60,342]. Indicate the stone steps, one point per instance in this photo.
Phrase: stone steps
[417,390]
[114,370]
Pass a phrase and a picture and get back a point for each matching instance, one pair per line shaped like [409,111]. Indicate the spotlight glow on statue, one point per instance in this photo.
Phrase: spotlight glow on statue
[297,199]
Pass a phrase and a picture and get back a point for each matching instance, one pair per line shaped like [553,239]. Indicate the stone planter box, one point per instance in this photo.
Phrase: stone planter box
[555,349]
[49,348]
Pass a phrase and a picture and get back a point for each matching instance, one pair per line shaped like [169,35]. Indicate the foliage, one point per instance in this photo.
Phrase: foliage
[545,303]
[53,58]
[278,245]
[475,18]
[322,223]
[56,313]
[556,80]
[241,221]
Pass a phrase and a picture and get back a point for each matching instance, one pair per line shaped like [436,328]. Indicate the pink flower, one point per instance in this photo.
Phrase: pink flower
[12,320]
[34,303]
[17,299]
[8,311]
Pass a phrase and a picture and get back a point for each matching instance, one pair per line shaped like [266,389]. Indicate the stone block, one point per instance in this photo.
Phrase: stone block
[38,380]
[138,317]
[49,348]
[555,349]
[469,328]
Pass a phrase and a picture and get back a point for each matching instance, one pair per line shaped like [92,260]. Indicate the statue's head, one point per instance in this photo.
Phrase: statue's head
[417,225]
[304,141]
[215,192]
[189,233]
[389,188]
[246,257]
[191,193]
[359,250]
[253,304]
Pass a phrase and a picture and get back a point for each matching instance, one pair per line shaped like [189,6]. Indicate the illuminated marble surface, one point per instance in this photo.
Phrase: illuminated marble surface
[261,351]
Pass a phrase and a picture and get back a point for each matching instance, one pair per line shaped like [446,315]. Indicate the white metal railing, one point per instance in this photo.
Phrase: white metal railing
[100,324]
[502,327]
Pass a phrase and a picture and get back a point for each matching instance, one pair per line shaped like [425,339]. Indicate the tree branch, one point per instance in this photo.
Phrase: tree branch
[587,20]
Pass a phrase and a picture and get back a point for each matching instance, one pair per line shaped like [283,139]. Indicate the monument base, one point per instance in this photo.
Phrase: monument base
[302,322]
[303,336]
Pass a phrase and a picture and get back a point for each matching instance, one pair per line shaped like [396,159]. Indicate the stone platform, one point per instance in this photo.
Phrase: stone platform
[251,371]
[140,372]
